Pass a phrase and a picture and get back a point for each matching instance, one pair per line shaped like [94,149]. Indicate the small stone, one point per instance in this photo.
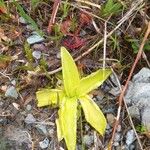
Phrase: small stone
[115,91]
[35,38]
[58,55]
[119,128]
[17,106]
[132,147]
[1,103]
[87,128]
[134,112]
[30,27]
[130,137]
[117,137]
[100,98]
[88,140]
[108,127]
[3,121]
[36,54]
[44,144]
[116,144]
[22,20]
[13,82]
[42,128]
[146,118]
[30,119]
[51,132]
[110,119]
[40,47]
[28,107]
[11,92]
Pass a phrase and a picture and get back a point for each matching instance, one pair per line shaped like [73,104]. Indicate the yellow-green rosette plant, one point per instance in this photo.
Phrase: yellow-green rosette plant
[74,92]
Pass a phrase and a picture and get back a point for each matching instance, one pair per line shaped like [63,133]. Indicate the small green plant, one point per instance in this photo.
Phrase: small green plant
[74,94]
[65,9]
[111,8]
[135,44]
[28,52]
[23,14]
[34,3]
[141,128]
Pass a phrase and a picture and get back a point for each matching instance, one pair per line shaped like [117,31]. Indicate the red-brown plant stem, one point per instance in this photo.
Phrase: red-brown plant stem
[139,54]
[53,17]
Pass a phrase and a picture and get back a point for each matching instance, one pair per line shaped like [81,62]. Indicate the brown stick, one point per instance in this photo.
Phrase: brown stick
[126,84]
[53,17]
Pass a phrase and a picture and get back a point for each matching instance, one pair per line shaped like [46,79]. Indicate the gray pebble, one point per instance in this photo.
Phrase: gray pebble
[132,147]
[1,103]
[99,98]
[44,144]
[51,132]
[119,128]
[42,128]
[11,92]
[30,27]
[28,107]
[116,144]
[88,140]
[13,82]
[58,55]
[35,38]
[130,137]
[30,119]
[36,54]
[22,20]
[117,137]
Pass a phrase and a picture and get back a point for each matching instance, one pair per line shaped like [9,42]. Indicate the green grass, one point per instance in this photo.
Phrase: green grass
[29,20]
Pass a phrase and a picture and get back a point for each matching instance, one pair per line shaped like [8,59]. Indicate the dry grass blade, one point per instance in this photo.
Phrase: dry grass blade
[127,82]
[89,3]
[130,119]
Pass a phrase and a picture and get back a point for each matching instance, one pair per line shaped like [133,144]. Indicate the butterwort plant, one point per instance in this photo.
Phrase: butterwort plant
[68,97]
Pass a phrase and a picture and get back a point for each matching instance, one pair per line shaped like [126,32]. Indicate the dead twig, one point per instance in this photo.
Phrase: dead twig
[145,58]
[53,17]
[126,84]
[105,42]
[129,116]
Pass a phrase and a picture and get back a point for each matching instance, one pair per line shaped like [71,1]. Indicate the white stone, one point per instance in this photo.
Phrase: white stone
[11,92]
[42,128]
[22,20]
[44,144]
[88,140]
[36,54]
[130,137]
[30,119]
[35,38]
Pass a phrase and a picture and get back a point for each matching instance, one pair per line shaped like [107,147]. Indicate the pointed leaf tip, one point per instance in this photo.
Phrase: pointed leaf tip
[70,72]
[92,81]
[93,114]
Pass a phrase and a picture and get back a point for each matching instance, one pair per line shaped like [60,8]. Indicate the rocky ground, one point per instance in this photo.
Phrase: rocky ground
[29,62]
